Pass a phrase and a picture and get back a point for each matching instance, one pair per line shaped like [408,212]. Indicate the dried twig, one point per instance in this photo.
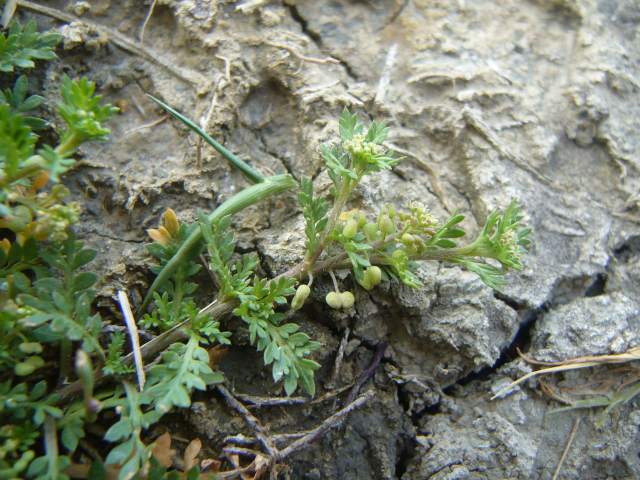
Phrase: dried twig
[331,422]
[157,121]
[573,364]
[368,372]
[260,402]
[250,420]
[424,165]
[146,20]
[339,356]
[301,440]
[567,447]
[135,339]
[250,5]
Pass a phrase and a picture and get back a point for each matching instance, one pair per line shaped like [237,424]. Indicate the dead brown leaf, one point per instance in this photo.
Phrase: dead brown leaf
[216,354]
[81,470]
[162,450]
[191,454]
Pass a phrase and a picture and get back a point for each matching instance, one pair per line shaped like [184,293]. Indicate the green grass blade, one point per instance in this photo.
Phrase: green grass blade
[253,175]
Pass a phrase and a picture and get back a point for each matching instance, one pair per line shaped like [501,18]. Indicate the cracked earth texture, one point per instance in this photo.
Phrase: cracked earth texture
[536,100]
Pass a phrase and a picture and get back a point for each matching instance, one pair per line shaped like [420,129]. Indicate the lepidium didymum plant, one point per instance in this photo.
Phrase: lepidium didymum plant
[374,246]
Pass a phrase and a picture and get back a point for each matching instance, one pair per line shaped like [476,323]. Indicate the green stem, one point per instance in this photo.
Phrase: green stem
[69,145]
[178,291]
[64,149]
[252,175]
[65,359]
[5,180]
[334,215]
[247,197]
[51,446]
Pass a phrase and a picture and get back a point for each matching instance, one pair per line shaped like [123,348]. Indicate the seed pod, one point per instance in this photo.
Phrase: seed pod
[347,299]
[334,300]
[350,228]
[23,369]
[374,274]
[35,360]
[30,347]
[386,225]
[371,231]
[302,293]
[365,281]
[362,219]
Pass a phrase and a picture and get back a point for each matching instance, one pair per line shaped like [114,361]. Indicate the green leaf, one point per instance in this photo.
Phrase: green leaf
[252,175]
[54,163]
[83,280]
[16,142]
[119,430]
[377,133]
[82,111]
[445,243]
[315,212]
[22,45]
[348,124]
[183,368]
[19,103]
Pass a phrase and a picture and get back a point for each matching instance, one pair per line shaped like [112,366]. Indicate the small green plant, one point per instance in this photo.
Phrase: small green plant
[384,246]
[46,293]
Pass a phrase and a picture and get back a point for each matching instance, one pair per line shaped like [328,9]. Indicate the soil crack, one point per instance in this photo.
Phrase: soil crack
[317,40]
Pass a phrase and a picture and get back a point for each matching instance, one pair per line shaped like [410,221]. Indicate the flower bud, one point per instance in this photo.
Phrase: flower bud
[334,300]
[347,299]
[170,222]
[391,211]
[350,228]
[160,235]
[408,238]
[399,255]
[302,293]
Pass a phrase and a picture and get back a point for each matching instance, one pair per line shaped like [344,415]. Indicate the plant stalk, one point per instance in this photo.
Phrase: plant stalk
[247,197]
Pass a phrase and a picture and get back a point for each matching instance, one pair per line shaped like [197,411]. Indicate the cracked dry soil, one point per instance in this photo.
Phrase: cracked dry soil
[536,100]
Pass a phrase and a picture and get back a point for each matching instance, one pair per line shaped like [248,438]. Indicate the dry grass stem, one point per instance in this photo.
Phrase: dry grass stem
[146,20]
[135,339]
[567,447]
